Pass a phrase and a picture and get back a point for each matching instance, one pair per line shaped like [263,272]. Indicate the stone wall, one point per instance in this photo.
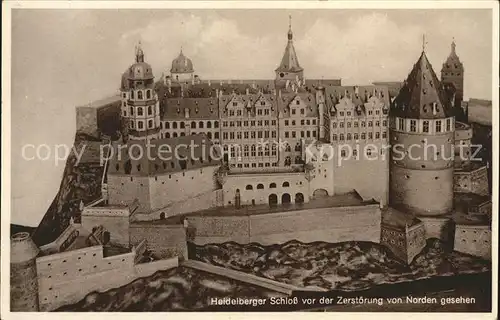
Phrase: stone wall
[165,241]
[474,240]
[438,227]
[118,227]
[65,277]
[474,181]
[86,121]
[210,199]
[361,223]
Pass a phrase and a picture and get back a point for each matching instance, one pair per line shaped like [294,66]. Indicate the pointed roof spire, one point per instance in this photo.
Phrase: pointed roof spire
[453,61]
[290,62]
[422,95]
[423,43]
[139,54]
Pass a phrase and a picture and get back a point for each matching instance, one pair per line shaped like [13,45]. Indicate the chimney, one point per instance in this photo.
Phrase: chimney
[247,91]
[209,83]
[434,107]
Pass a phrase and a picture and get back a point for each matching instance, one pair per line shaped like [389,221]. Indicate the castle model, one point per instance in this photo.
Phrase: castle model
[280,171]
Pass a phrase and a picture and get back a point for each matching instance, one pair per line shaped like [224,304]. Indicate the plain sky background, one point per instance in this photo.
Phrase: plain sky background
[64,58]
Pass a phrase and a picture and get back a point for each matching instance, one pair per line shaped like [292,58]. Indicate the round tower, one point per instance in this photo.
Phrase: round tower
[422,136]
[23,276]
[140,106]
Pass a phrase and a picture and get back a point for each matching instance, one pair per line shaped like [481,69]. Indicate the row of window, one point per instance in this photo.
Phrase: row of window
[254,165]
[193,125]
[239,113]
[140,124]
[251,151]
[252,123]
[439,125]
[356,124]
[356,136]
[302,122]
[140,111]
[303,134]
[249,135]
[272,185]
[349,113]
[140,94]
[209,134]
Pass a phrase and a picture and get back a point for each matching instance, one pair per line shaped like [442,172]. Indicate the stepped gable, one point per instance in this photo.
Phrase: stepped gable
[190,108]
[158,156]
[422,95]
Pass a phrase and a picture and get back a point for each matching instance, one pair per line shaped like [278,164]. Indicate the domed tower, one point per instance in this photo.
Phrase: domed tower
[182,69]
[23,275]
[422,134]
[289,68]
[140,106]
[452,73]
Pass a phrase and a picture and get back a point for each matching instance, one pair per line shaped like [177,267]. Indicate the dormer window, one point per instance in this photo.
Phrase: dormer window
[235,104]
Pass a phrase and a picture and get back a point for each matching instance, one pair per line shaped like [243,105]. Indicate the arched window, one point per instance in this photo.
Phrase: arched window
[286,184]
[174,135]
[253,149]
[174,125]
[209,124]
[209,135]
[167,135]
[216,124]
[182,125]
[246,151]
[260,186]
[193,124]
[150,110]
[131,111]
[249,187]
[200,124]
[139,95]
[132,94]
[148,94]
[272,185]
[140,111]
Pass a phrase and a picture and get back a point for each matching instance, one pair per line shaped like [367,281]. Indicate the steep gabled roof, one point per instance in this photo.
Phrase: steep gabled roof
[422,95]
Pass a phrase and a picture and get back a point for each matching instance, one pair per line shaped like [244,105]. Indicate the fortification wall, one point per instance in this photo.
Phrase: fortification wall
[65,277]
[475,240]
[124,189]
[210,199]
[361,223]
[118,227]
[86,121]
[474,181]
[438,227]
[370,178]
[165,241]
[147,269]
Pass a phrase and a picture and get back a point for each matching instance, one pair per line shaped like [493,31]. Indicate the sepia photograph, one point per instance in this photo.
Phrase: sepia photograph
[211,157]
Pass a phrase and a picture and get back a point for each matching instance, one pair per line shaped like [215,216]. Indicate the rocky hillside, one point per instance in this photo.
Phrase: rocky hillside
[344,266]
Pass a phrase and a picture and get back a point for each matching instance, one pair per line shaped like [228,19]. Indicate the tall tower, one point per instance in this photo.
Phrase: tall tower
[140,106]
[289,69]
[452,72]
[23,275]
[422,133]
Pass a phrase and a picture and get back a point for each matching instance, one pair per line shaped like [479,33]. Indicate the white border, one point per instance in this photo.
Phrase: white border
[6,138]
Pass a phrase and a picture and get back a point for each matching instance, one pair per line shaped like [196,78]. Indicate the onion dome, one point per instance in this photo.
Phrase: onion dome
[422,95]
[182,64]
[140,70]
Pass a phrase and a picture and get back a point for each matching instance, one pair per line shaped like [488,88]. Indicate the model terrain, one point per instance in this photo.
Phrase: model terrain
[254,219]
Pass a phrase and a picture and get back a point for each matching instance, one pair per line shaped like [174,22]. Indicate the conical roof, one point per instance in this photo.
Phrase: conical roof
[289,62]
[422,95]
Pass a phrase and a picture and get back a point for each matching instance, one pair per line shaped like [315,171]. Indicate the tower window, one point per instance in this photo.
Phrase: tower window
[148,94]
[426,126]
[150,110]
[131,111]
[413,125]
[140,125]
[140,112]
[438,126]
[150,123]
[139,95]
